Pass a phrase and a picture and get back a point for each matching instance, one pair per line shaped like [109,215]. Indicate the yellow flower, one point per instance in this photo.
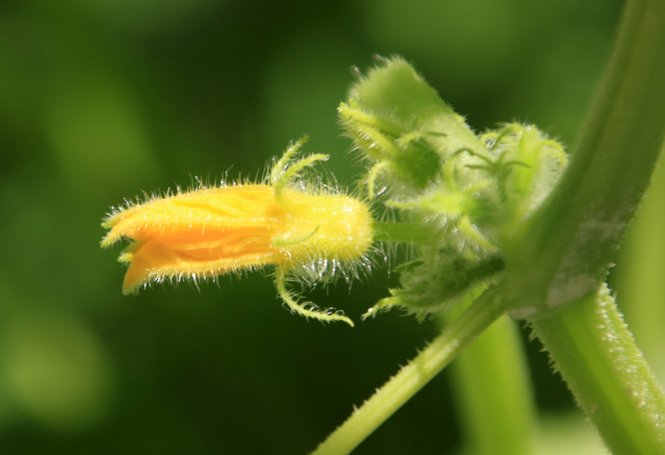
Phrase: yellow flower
[208,232]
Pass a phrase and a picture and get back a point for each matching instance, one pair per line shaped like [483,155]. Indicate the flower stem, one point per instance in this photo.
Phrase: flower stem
[413,376]
[597,356]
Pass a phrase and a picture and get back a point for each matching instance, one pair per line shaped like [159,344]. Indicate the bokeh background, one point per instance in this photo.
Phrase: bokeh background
[105,99]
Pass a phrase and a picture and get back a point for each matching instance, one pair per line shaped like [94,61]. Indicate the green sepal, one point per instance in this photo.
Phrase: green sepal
[432,284]
[472,192]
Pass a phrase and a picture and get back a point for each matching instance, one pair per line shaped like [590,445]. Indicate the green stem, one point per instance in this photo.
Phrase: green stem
[561,257]
[573,237]
[413,376]
[597,356]
[493,393]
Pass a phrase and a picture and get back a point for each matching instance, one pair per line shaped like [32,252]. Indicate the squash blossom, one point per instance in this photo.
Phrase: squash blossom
[208,232]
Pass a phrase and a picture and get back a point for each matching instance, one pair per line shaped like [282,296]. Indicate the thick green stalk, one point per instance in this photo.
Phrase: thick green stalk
[574,236]
[493,393]
[597,356]
[412,377]
[560,259]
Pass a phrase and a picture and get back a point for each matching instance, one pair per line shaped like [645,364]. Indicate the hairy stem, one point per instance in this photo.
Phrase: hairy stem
[558,262]
[413,376]
[597,356]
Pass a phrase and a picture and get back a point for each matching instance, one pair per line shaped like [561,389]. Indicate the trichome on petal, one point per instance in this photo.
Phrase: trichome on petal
[209,232]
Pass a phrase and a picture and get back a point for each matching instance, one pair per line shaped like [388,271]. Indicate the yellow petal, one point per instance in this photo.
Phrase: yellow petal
[213,231]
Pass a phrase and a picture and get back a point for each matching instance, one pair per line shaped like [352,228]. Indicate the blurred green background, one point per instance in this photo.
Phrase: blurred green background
[104,99]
